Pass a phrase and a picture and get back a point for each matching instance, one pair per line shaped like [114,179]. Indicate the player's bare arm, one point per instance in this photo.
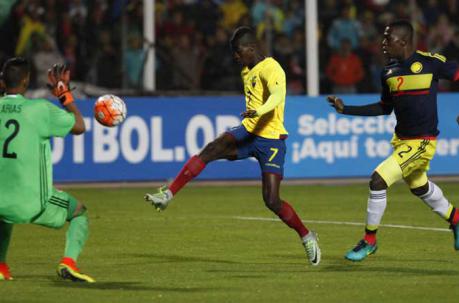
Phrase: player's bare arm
[336,103]
[251,113]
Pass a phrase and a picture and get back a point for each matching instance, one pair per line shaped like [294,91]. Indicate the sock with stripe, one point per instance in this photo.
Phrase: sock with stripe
[191,169]
[454,216]
[288,215]
[77,234]
[435,199]
[5,236]
[370,236]
[377,201]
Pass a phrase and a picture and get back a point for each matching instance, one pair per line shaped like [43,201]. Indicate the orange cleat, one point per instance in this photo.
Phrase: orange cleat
[67,270]
[5,274]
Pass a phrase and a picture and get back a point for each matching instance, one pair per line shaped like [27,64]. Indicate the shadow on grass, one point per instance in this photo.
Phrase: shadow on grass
[157,258]
[129,286]
[389,266]
[388,269]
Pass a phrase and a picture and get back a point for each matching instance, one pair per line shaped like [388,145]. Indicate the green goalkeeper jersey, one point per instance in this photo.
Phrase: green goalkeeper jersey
[26,127]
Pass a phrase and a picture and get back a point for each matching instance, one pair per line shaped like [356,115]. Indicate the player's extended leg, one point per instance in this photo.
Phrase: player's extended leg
[433,196]
[224,147]
[387,173]
[5,235]
[62,207]
[76,237]
[271,184]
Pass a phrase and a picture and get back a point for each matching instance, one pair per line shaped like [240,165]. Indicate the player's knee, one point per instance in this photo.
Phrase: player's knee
[377,182]
[217,149]
[210,152]
[79,210]
[420,191]
[271,202]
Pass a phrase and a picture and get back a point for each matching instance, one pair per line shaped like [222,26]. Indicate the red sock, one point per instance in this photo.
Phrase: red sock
[191,169]
[454,217]
[288,215]
[370,236]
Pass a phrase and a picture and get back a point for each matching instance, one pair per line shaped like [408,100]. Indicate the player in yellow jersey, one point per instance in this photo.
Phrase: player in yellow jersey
[262,136]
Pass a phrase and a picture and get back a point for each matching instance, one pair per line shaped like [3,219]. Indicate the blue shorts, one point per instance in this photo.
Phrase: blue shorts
[270,153]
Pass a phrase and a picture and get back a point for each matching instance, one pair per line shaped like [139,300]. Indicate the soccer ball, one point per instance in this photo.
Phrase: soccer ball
[110,110]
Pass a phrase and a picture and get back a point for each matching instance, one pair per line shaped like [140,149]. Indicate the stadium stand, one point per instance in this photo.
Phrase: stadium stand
[101,39]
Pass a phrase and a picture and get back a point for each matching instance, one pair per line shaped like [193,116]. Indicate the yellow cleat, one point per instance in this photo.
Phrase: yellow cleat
[67,270]
[5,277]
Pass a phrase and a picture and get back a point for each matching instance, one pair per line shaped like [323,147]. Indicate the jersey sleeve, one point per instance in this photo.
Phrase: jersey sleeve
[273,76]
[60,122]
[386,97]
[446,69]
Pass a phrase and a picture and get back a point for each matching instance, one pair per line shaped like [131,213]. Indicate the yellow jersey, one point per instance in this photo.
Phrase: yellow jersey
[257,83]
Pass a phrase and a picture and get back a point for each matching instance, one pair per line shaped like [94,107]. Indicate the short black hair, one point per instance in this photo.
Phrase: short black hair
[243,35]
[14,70]
[406,27]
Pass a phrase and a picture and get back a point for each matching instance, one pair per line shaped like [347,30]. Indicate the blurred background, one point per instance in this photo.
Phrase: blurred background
[103,41]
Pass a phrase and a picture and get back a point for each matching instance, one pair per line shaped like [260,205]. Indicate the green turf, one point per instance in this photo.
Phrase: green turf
[197,251]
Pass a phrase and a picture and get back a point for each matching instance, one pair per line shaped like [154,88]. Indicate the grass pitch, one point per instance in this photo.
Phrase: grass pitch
[199,250]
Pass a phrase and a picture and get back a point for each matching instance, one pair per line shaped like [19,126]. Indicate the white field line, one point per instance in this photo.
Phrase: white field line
[346,223]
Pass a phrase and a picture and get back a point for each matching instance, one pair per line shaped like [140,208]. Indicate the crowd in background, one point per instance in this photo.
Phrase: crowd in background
[102,40]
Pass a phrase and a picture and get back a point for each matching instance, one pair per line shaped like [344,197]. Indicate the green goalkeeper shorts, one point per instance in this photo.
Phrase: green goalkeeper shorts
[58,209]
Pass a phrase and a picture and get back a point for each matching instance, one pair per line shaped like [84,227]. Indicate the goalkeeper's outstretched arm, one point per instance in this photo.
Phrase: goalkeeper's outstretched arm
[59,84]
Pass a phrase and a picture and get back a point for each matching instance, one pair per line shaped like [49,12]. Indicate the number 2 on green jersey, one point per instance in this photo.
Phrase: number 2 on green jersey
[14,124]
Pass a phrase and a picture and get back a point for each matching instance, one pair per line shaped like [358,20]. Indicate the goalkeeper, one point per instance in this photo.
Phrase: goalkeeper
[27,193]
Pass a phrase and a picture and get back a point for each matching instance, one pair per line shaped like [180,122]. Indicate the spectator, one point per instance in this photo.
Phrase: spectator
[187,64]
[431,12]
[294,17]
[206,16]
[272,21]
[344,28]
[345,69]
[133,61]
[328,11]
[297,64]
[219,71]
[31,23]
[107,63]
[368,23]
[5,7]
[175,27]
[77,8]
[46,55]
[451,52]
[232,11]
[77,25]
[440,34]
[70,53]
